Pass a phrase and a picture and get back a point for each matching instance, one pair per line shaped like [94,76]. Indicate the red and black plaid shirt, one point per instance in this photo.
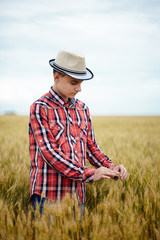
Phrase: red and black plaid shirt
[61,139]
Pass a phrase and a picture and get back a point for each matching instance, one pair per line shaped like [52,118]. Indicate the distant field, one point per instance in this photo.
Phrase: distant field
[114,210]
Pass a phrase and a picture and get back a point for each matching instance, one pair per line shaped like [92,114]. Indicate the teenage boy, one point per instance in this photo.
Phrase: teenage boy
[61,137]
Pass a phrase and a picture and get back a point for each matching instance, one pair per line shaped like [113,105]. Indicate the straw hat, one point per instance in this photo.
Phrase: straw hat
[72,64]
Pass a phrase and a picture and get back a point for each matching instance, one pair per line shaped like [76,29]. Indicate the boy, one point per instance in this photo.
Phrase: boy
[62,138]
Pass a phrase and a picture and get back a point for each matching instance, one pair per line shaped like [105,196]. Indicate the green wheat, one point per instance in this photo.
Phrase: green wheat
[114,210]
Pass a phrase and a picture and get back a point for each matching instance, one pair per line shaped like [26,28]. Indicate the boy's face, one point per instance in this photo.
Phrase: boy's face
[66,86]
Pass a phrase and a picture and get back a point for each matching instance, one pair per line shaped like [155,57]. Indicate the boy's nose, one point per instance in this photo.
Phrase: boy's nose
[78,88]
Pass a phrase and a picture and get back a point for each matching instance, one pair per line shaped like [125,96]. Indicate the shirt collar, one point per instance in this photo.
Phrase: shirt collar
[56,97]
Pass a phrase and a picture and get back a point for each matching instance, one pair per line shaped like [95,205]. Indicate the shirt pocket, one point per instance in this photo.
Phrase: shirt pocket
[57,130]
[83,130]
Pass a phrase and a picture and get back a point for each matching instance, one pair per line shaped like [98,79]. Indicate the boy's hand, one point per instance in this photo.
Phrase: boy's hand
[103,173]
[122,172]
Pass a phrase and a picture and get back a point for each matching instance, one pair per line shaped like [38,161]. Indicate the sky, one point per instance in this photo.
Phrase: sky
[119,38]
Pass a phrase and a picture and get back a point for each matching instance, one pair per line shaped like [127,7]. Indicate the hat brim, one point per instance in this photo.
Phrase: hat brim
[80,76]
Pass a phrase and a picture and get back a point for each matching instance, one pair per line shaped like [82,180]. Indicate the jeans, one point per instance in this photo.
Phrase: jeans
[37,199]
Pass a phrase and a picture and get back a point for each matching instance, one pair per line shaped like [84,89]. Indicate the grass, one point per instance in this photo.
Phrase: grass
[114,210]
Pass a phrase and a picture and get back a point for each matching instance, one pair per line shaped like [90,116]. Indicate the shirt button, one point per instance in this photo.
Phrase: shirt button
[40,140]
[76,151]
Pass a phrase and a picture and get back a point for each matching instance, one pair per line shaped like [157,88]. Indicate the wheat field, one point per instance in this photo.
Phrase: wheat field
[114,210]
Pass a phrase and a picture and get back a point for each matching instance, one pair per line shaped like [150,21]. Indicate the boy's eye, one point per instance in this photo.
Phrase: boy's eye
[73,83]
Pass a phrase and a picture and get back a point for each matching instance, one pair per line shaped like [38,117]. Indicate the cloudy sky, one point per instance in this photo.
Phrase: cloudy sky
[120,40]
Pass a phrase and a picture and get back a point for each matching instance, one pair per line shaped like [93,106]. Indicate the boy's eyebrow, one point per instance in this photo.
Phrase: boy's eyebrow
[74,80]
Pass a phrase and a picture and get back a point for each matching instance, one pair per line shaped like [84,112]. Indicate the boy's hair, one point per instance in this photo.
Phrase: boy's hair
[60,73]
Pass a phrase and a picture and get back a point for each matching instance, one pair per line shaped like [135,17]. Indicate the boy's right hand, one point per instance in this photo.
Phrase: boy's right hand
[104,173]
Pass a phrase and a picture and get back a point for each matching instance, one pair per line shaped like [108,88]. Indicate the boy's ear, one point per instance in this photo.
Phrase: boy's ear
[56,76]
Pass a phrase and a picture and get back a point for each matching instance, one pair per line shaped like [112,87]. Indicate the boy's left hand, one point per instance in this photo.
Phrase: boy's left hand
[122,172]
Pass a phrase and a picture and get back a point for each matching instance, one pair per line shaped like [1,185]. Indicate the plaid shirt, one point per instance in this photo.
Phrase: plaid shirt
[61,138]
